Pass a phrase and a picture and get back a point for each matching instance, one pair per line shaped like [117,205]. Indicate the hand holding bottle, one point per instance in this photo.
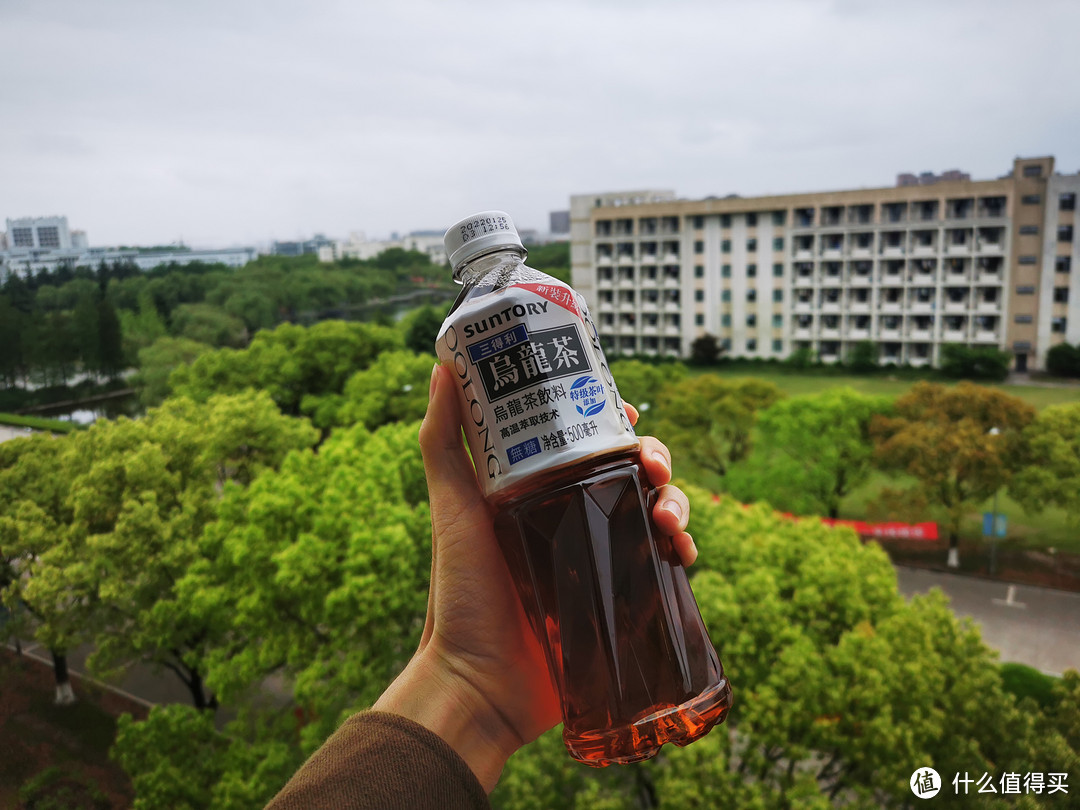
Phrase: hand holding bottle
[479,678]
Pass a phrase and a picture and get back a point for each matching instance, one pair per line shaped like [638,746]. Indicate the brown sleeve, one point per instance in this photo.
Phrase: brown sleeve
[381,760]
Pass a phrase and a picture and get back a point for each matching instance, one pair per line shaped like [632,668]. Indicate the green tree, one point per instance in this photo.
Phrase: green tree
[393,389]
[141,328]
[421,327]
[326,563]
[208,324]
[863,356]
[34,485]
[707,420]
[705,351]
[1063,360]
[110,345]
[141,493]
[941,437]
[157,362]
[177,759]
[1050,475]
[13,328]
[818,448]
[290,362]
[85,328]
[974,362]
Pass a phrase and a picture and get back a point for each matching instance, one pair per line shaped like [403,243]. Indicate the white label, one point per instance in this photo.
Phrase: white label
[535,389]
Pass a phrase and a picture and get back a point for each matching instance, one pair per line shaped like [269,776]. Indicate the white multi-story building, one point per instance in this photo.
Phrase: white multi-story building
[357,246]
[909,268]
[36,244]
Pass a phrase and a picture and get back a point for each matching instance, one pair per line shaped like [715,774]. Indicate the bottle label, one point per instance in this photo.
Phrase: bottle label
[534,383]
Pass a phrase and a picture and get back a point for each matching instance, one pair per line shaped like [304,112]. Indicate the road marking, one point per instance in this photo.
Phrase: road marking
[82,676]
[1010,599]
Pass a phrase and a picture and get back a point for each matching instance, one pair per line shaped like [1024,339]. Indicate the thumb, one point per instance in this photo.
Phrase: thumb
[451,479]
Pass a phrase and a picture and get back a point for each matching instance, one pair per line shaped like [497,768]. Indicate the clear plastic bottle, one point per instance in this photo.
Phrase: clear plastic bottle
[557,457]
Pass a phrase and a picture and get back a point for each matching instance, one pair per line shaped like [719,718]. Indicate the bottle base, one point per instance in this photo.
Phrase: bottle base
[643,738]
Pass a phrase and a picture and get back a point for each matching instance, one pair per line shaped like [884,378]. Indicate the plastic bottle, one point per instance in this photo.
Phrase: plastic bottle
[555,454]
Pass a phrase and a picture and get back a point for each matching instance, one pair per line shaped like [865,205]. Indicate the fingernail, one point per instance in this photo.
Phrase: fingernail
[660,457]
[434,380]
[674,508]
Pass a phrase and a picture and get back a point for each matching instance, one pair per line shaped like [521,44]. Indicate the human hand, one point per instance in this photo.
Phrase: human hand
[479,678]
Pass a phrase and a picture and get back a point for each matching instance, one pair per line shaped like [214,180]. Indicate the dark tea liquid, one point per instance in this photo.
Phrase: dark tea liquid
[611,605]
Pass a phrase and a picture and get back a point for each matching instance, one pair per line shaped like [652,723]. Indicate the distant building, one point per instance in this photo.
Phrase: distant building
[929,178]
[38,244]
[909,268]
[559,223]
[311,245]
[358,246]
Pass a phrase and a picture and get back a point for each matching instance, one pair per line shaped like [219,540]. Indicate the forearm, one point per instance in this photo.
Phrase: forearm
[436,692]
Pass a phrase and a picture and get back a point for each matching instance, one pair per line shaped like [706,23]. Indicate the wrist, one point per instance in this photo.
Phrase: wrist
[435,691]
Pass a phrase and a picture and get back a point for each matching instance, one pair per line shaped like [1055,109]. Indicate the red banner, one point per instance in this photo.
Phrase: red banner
[900,531]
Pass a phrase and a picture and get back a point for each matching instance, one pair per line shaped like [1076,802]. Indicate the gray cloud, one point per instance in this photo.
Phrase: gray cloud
[229,122]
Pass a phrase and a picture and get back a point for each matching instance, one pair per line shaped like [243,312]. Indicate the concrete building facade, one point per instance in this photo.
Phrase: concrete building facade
[38,244]
[909,268]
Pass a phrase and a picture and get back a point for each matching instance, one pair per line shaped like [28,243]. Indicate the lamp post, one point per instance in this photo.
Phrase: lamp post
[994,519]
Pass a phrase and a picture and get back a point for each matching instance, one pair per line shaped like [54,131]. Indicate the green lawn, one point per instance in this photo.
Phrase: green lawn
[37,423]
[794,383]
[1050,528]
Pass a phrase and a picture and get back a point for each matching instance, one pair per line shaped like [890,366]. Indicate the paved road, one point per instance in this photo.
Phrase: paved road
[1039,627]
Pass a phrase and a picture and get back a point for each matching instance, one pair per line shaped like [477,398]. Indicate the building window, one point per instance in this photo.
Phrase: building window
[751,295]
[1058,324]
[778,345]
[751,220]
[699,223]
[1067,201]
[777,296]
[1033,171]
[751,344]
[699,271]
[1023,319]
[1031,199]
[1061,295]
[699,295]
[1025,290]
[1027,260]
[699,320]
[778,321]
[725,246]
[725,271]
[699,246]
[751,245]
[778,243]
[751,271]
[778,270]
[725,220]
[1063,264]
[1065,233]
[22,237]
[1029,230]
[779,217]
[48,237]
[751,320]
[725,295]
[725,320]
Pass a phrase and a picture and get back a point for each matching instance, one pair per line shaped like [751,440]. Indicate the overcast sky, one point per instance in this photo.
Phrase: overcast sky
[240,121]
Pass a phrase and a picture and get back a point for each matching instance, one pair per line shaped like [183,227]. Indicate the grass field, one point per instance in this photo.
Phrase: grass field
[37,423]
[794,383]
[1048,529]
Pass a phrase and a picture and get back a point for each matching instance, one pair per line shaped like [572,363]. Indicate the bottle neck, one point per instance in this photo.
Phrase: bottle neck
[472,271]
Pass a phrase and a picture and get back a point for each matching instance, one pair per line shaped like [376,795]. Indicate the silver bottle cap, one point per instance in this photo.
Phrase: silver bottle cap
[481,233]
